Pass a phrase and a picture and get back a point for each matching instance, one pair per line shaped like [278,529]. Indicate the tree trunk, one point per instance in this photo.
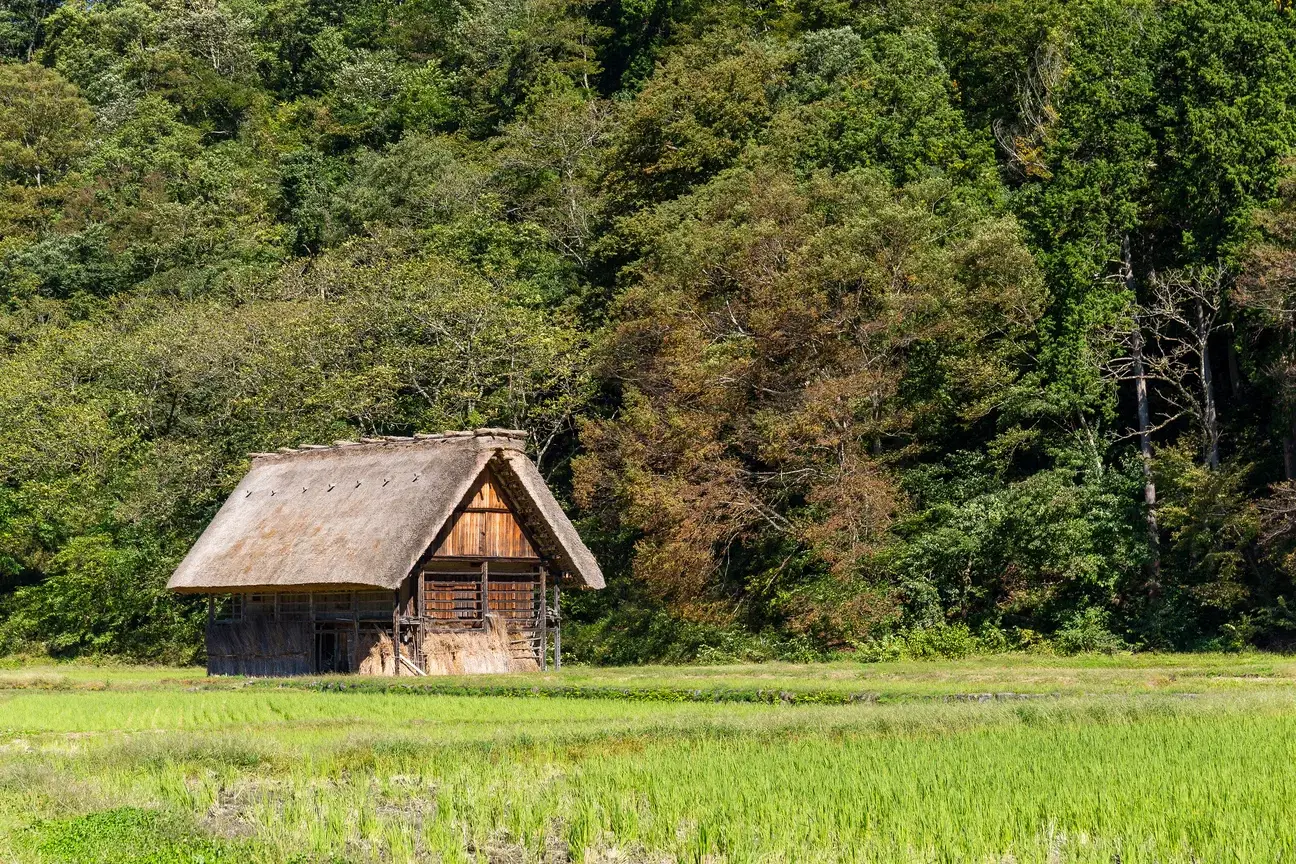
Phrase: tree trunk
[1289,450]
[1210,421]
[1145,436]
[1235,374]
[1149,480]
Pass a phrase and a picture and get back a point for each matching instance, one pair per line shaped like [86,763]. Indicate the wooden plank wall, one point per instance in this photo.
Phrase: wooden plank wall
[451,596]
[451,599]
[260,646]
[486,527]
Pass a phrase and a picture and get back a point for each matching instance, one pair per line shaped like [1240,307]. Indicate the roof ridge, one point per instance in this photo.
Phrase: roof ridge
[384,440]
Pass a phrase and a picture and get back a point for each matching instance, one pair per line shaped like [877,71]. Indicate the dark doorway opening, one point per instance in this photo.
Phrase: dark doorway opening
[332,648]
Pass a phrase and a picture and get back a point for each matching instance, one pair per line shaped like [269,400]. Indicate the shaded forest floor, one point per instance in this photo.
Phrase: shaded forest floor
[1149,757]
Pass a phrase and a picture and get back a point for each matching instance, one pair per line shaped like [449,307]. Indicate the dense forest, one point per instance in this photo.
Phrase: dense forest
[874,326]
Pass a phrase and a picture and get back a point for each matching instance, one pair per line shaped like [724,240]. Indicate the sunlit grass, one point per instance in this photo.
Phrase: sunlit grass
[1017,673]
[1146,772]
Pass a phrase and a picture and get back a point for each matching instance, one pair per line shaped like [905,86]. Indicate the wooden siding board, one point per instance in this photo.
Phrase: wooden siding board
[486,527]
[259,646]
[452,593]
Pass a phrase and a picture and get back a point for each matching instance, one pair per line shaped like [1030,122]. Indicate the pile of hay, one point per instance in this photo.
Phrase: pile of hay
[474,652]
[378,656]
[464,653]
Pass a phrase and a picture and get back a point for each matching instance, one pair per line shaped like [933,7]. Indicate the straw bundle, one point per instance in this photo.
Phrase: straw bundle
[474,652]
[378,657]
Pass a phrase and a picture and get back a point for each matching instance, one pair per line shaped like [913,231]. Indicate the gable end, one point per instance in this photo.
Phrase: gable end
[486,525]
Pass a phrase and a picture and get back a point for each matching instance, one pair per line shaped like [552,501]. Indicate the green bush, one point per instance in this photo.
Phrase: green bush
[635,634]
[1088,631]
[950,641]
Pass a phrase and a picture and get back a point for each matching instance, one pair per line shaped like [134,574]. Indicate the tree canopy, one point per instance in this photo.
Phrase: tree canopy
[832,323]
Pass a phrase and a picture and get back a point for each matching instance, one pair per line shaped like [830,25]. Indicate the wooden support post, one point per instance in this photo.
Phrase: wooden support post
[485,591]
[396,651]
[544,622]
[211,620]
[355,632]
[276,605]
[557,629]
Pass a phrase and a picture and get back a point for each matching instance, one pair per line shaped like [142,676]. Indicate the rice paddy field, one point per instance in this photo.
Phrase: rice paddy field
[1001,759]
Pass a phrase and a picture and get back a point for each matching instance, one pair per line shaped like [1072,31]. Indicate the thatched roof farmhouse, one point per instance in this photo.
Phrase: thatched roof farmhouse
[432,553]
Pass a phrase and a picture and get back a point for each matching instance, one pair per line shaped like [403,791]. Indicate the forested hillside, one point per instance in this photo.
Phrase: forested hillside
[879,326]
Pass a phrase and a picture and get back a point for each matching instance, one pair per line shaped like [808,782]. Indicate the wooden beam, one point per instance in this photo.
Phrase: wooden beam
[557,629]
[450,559]
[485,590]
[544,622]
[396,660]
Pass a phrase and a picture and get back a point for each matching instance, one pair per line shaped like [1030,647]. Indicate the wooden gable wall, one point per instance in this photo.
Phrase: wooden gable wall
[485,527]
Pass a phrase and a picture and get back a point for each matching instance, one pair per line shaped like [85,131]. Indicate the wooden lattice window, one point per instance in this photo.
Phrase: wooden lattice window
[228,607]
[376,605]
[294,605]
[452,597]
[260,605]
[333,603]
[516,597]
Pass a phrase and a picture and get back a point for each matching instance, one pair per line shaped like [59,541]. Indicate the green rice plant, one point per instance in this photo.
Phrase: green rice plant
[279,775]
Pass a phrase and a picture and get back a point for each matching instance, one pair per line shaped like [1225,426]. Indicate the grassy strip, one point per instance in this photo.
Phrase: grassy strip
[126,835]
[754,696]
[983,679]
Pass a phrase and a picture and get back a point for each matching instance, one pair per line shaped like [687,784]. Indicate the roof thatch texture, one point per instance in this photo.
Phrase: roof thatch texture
[364,514]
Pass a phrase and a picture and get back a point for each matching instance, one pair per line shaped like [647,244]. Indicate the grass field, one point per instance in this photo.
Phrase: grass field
[1016,758]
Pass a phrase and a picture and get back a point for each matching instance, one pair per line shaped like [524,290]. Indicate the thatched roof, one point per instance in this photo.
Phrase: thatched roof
[363,514]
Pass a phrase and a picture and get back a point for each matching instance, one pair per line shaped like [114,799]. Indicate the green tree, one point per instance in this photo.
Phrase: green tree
[778,348]
[44,124]
[22,28]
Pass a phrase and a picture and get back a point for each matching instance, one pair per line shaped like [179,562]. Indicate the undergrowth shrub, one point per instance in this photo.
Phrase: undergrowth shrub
[947,641]
[633,637]
[1088,631]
